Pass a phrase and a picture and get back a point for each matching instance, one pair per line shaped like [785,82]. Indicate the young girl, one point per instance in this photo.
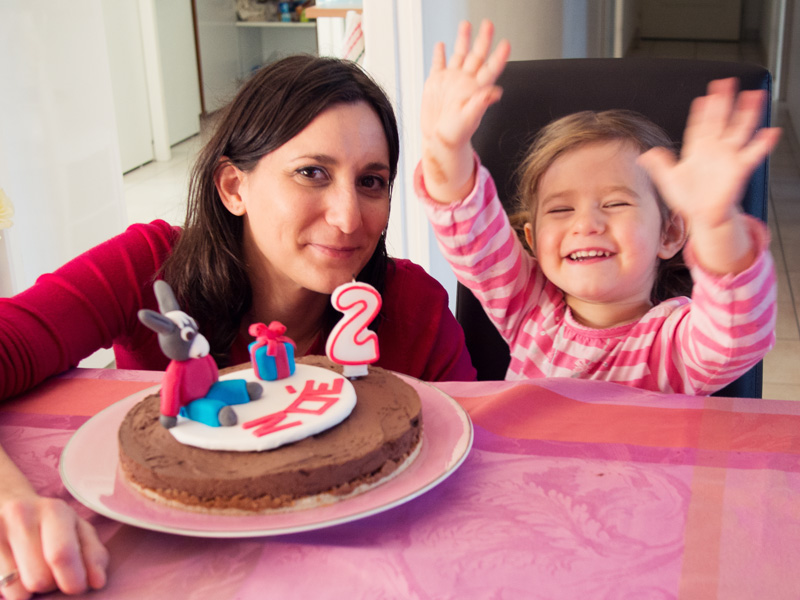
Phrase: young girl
[587,302]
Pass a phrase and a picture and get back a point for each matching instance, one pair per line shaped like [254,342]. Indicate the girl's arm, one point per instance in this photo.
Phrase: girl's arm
[456,95]
[721,149]
[45,541]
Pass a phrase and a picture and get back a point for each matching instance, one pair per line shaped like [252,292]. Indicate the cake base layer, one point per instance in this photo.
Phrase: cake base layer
[383,430]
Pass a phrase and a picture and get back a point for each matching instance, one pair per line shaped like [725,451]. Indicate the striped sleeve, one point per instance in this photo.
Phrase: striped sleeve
[478,241]
[727,328]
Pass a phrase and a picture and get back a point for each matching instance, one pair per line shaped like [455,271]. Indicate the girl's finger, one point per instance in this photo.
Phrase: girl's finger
[476,106]
[658,162]
[719,107]
[759,147]
[727,86]
[461,46]
[746,117]
[495,65]
[695,124]
[439,61]
[480,49]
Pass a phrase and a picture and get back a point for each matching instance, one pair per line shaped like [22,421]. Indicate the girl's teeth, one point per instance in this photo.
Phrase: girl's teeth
[588,254]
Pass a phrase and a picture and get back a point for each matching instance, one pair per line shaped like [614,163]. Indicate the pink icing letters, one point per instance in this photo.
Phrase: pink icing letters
[326,394]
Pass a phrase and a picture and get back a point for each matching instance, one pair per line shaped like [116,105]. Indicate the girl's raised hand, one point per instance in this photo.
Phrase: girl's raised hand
[722,146]
[455,98]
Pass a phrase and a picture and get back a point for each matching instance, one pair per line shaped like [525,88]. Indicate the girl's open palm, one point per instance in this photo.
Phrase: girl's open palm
[457,94]
[721,149]
[455,98]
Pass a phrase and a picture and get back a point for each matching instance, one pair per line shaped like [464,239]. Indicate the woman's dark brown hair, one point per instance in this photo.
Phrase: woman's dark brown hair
[206,268]
[581,128]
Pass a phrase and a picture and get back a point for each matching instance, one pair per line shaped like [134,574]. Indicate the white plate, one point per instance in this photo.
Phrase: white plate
[89,470]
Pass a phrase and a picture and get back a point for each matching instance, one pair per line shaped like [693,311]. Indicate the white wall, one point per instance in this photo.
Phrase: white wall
[59,158]
[535,28]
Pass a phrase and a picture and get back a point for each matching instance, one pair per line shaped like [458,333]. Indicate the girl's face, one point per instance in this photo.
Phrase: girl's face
[598,232]
[315,208]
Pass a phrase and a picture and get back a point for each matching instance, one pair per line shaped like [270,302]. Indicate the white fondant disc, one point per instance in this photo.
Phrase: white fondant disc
[276,396]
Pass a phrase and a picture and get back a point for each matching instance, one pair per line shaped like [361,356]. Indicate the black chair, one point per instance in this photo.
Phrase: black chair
[536,92]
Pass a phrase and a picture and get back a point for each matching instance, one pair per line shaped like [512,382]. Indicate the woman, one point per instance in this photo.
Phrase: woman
[289,199]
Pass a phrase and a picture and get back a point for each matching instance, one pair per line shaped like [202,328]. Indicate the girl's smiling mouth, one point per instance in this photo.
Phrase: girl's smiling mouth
[582,255]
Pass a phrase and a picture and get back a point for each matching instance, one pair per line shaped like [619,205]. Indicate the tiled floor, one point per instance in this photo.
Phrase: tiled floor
[158,190]
[781,372]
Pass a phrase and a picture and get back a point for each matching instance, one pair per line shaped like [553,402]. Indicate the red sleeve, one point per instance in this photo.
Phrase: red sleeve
[88,304]
[419,336]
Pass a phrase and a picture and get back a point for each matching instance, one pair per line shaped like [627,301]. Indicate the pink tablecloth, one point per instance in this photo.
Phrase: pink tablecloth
[573,489]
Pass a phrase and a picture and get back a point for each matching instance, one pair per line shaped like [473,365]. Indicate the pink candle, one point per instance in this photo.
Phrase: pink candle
[350,343]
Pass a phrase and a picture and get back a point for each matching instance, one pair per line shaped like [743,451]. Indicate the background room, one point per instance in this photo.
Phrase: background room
[109,101]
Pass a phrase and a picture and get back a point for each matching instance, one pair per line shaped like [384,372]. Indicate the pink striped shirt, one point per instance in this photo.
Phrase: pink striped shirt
[686,346]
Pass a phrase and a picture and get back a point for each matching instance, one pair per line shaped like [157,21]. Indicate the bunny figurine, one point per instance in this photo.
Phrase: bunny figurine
[191,385]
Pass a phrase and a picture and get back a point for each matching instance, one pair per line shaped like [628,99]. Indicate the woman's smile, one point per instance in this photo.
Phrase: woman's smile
[335,250]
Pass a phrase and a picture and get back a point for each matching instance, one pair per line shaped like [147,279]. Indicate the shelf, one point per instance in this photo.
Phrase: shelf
[315,12]
[276,24]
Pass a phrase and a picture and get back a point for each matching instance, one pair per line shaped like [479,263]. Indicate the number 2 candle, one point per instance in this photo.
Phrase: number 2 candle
[350,343]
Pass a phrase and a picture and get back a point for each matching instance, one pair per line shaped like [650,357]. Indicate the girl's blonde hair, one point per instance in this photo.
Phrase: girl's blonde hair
[586,127]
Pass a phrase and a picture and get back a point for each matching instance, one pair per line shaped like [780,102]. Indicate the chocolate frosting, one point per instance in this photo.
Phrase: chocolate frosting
[383,428]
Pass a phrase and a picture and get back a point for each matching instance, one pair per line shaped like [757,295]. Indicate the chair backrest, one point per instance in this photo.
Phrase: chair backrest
[538,91]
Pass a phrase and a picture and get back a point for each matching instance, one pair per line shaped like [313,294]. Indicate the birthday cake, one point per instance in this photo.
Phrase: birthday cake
[381,435]
[273,434]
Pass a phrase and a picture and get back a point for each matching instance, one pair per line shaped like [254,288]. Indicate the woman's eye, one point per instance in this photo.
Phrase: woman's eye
[315,173]
[373,182]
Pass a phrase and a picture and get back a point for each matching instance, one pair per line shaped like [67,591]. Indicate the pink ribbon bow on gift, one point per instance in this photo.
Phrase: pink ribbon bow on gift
[271,336]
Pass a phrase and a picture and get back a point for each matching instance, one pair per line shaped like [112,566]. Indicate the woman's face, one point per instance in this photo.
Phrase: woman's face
[315,208]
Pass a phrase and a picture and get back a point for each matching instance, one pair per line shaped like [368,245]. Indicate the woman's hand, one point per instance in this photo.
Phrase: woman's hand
[44,541]
[722,147]
[455,98]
